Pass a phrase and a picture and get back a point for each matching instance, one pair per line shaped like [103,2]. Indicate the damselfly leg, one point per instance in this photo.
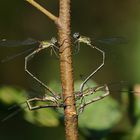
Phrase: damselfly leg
[46,98]
[92,94]
[88,92]
[91,91]
[87,40]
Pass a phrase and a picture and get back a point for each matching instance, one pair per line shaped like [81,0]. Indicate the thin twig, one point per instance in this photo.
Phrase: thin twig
[43,10]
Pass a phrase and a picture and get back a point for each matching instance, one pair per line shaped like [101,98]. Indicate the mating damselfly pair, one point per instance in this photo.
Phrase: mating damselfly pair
[54,99]
[53,44]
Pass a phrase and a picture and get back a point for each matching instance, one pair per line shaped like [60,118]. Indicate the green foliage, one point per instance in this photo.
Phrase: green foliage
[101,116]
[42,117]
[136,131]
[10,95]
[137,106]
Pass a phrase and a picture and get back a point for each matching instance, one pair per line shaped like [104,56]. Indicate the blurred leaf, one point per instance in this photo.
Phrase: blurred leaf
[56,85]
[10,95]
[135,135]
[90,83]
[137,106]
[102,114]
[42,117]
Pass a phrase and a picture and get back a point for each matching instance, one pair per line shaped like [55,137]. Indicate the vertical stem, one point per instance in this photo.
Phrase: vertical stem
[71,119]
[63,25]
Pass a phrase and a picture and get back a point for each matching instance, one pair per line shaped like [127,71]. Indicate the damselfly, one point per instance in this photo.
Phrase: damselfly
[90,91]
[87,40]
[52,44]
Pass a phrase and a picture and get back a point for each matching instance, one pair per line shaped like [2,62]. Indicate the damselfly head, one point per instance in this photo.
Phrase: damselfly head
[58,97]
[54,40]
[76,35]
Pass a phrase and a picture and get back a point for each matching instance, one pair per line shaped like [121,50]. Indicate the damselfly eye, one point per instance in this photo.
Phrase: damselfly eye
[57,97]
[54,40]
[76,35]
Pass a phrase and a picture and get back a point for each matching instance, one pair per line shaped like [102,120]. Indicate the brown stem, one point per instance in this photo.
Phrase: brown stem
[71,119]
[43,10]
[63,25]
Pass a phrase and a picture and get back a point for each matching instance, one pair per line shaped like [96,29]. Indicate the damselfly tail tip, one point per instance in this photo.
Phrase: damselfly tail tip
[4,120]
[3,60]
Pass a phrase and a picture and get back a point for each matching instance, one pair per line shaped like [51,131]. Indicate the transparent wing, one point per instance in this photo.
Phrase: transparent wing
[8,58]
[114,87]
[119,87]
[18,109]
[15,43]
[112,40]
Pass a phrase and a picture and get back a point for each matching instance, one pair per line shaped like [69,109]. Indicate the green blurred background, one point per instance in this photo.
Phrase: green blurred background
[116,117]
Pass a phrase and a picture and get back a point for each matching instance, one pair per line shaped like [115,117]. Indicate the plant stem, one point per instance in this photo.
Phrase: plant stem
[71,119]
[63,25]
[43,10]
